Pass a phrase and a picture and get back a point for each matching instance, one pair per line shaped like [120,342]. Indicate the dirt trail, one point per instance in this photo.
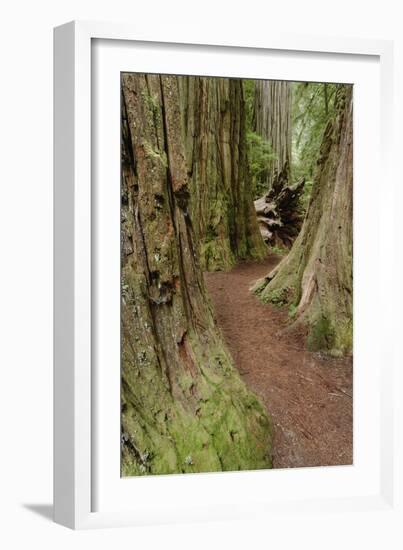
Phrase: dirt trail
[308,396]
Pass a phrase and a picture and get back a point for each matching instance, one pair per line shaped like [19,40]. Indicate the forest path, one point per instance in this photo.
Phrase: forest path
[308,396]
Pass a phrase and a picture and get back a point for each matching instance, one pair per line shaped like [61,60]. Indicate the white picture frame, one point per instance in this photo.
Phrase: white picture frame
[80,431]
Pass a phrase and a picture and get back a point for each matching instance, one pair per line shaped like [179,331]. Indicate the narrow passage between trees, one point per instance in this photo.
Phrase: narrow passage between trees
[308,395]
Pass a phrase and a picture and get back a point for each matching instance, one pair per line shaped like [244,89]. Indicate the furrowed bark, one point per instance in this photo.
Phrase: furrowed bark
[272,121]
[315,279]
[221,203]
[184,406]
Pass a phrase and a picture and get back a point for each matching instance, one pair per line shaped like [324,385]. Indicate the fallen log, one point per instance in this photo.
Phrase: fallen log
[280,214]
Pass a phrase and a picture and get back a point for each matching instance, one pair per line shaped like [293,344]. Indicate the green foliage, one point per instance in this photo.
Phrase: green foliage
[260,156]
[260,152]
[312,107]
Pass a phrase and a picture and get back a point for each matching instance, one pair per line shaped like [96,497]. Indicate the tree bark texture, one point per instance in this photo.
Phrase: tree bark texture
[280,214]
[272,121]
[221,199]
[184,406]
[316,276]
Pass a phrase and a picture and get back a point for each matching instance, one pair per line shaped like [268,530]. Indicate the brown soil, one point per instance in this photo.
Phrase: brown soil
[308,395]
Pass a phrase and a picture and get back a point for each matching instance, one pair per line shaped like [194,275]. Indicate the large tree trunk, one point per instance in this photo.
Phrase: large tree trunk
[184,406]
[272,121]
[221,203]
[280,214]
[316,276]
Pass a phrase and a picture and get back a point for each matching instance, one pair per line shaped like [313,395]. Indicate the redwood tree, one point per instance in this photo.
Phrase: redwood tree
[184,406]
[315,279]
[272,121]
[279,209]
[221,194]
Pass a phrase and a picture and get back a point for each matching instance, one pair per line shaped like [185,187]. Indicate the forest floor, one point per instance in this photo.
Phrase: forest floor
[308,395]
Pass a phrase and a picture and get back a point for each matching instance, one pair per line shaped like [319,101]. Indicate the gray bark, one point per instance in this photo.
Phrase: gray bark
[221,200]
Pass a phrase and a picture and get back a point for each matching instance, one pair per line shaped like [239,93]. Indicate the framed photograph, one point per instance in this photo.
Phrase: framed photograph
[218,345]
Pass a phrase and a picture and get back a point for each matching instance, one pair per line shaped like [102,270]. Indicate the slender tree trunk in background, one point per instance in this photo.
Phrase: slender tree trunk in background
[279,210]
[316,276]
[326,98]
[184,406]
[272,121]
[221,202]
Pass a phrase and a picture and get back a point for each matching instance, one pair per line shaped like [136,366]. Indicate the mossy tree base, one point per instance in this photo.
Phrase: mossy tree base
[315,279]
[184,405]
[272,121]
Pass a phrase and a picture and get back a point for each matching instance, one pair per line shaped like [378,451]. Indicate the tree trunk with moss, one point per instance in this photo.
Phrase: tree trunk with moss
[315,279]
[272,121]
[184,406]
[221,204]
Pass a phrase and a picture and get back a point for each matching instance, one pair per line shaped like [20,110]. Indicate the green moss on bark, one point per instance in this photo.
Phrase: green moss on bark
[184,405]
[315,279]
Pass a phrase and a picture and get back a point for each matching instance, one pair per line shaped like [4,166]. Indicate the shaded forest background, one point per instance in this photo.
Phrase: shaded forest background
[216,171]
